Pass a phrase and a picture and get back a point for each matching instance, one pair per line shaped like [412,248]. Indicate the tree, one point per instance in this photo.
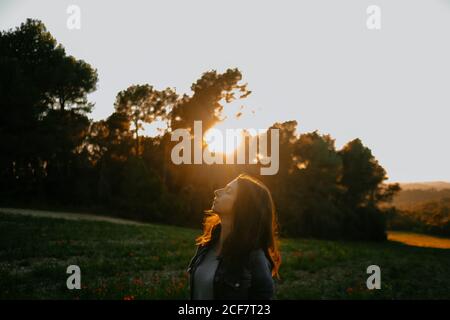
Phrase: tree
[36,76]
[362,176]
[205,103]
[144,104]
[314,186]
[110,139]
[72,80]
[209,95]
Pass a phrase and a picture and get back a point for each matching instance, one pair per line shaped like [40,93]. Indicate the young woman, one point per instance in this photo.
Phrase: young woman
[237,254]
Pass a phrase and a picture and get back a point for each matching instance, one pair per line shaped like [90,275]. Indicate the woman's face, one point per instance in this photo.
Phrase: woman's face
[224,199]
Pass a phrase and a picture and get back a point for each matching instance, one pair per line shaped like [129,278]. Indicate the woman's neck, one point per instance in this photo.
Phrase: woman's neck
[224,232]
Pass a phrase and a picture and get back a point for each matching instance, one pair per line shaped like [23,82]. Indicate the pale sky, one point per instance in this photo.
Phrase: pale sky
[313,61]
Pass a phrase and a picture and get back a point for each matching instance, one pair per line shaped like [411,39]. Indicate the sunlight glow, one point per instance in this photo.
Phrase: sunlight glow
[216,140]
[233,118]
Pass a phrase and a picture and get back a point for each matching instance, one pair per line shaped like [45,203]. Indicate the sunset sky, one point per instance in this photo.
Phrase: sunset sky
[314,61]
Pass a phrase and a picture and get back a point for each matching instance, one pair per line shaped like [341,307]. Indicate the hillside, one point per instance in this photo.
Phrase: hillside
[413,194]
[438,185]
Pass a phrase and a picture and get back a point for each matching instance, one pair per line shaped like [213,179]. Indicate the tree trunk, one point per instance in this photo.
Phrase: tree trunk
[137,139]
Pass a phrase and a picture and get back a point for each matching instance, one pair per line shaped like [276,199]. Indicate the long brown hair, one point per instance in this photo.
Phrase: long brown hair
[254,224]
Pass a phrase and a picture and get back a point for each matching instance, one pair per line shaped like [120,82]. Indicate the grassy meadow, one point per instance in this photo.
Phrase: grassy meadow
[120,261]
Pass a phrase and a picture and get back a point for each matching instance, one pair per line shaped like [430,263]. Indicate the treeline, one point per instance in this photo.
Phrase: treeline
[431,217]
[54,155]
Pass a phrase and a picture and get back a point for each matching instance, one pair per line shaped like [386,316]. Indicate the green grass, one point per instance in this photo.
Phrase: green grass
[149,262]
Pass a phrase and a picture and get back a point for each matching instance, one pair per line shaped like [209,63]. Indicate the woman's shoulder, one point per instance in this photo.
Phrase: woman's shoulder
[257,257]
[257,253]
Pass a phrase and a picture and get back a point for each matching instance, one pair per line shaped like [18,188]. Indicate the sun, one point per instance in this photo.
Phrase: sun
[220,140]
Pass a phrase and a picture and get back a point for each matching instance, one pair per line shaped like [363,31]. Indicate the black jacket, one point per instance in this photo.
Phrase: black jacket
[252,281]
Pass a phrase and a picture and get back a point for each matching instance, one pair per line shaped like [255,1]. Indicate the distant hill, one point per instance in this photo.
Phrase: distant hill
[438,185]
[415,193]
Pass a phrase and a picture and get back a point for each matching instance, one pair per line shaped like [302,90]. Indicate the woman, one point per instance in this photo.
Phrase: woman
[237,254]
